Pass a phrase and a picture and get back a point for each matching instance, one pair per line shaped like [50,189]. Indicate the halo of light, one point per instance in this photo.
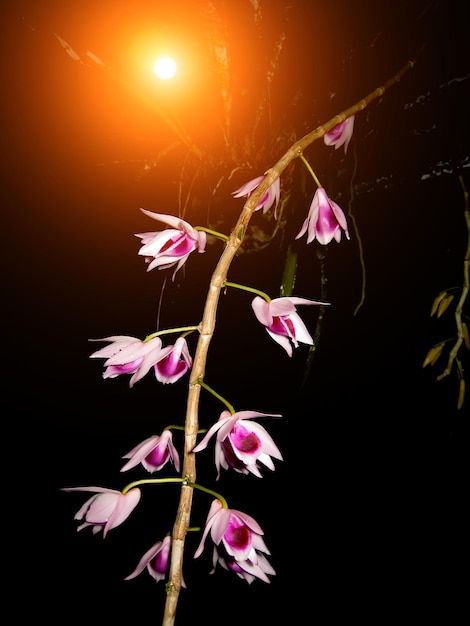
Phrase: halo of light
[165,68]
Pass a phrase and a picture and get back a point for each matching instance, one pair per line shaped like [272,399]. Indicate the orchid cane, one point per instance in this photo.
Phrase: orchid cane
[207,327]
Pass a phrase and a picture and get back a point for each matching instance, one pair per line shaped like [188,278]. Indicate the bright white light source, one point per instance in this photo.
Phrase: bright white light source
[165,68]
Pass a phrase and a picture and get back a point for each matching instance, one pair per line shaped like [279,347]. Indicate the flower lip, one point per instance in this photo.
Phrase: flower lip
[325,220]
[129,355]
[172,246]
[241,443]
[106,509]
[271,195]
[238,543]
[156,560]
[153,453]
[282,322]
[340,134]
[175,362]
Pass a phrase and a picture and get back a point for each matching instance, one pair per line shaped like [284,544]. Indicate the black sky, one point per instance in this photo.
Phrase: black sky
[364,517]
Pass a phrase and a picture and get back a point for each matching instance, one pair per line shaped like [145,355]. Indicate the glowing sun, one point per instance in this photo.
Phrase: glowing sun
[165,68]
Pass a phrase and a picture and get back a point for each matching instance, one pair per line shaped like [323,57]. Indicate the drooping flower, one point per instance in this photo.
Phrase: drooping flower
[247,570]
[107,509]
[238,543]
[172,246]
[340,134]
[156,560]
[241,443]
[325,220]
[271,195]
[175,362]
[129,355]
[153,453]
[282,322]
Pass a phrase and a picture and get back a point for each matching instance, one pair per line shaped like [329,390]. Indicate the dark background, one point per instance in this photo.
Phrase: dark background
[364,517]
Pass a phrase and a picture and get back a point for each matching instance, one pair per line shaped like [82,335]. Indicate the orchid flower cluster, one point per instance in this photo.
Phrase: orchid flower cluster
[240,442]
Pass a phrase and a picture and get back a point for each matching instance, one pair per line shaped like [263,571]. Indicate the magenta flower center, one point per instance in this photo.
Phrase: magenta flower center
[233,565]
[337,131]
[169,366]
[239,537]
[160,562]
[249,443]
[127,368]
[264,198]
[244,440]
[282,325]
[158,456]
[179,245]
[230,456]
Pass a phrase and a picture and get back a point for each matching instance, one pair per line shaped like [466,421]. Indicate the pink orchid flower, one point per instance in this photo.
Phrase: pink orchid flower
[172,246]
[325,220]
[153,453]
[175,362]
[241,443]
[156,560]
[247,570]
[340,134]
[282,322]
[271,195]
[129,355]
[107,509]
[238,543]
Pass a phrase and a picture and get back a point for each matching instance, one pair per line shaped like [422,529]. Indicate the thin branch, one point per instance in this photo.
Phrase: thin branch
[358,234]
[321,254]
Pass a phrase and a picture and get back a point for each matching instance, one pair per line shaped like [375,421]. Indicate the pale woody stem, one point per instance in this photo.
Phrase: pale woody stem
[207,328]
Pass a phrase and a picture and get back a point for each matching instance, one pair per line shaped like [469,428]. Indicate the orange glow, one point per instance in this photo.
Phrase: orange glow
[165,68]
